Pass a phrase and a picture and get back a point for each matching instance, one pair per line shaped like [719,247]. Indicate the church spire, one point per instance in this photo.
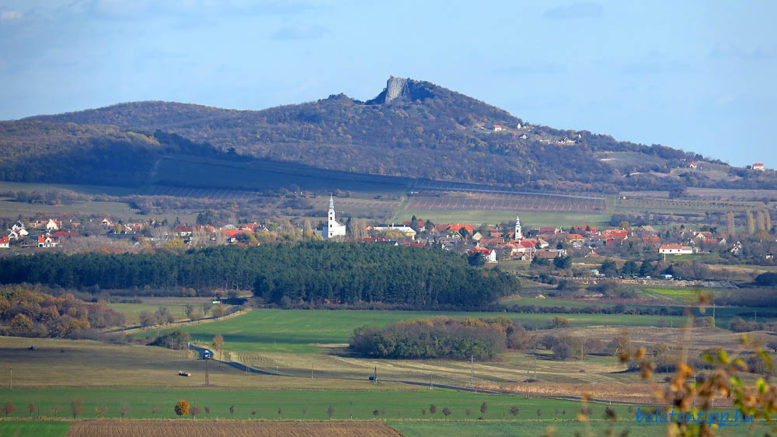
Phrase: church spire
[518,233]
[331,202]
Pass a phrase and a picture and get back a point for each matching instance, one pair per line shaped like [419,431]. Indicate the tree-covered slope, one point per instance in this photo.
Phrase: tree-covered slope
[419,130]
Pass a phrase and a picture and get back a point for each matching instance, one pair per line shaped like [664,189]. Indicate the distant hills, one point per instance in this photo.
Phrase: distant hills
[412,129]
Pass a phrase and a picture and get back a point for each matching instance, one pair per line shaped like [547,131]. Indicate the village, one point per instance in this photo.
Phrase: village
[483,244]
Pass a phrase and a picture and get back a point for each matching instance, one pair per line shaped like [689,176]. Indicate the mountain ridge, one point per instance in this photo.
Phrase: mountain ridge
[417,129]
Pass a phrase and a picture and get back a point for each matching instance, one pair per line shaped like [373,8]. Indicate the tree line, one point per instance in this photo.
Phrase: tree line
[311,272]
[31,313]
[439,337]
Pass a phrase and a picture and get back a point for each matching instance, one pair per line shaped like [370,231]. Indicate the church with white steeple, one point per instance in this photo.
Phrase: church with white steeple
[332,228]
[518,233]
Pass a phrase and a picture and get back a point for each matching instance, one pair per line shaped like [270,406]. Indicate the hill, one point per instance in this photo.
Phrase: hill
[412,129]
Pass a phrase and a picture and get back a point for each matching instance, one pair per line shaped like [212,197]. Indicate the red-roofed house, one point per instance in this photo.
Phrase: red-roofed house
[47,241]
[488,254]
[759,166]
[651,239]
[575,237]
[5,242]
[616,234]
[458,227]
[498,128]
[549,230]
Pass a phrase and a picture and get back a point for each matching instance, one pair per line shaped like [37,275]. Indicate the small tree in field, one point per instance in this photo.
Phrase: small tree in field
[31,408]
[124,409]
[218,343]
[376,412]
[154,409]
[182,408]
[77,407]
[446,411]
[432,409]
[483,408]
[330,412]
[207,410]
[100,410]
[195,412]
[9,409]
[231,410]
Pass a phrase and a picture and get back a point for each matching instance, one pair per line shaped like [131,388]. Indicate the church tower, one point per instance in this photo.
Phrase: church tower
[518,233]
[331,222]
[332,228]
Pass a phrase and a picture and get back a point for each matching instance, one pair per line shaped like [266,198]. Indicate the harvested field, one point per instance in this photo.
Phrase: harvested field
[193,428]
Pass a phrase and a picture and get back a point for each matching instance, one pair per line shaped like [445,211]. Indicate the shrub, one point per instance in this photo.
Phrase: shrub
[172,340]
[182,408]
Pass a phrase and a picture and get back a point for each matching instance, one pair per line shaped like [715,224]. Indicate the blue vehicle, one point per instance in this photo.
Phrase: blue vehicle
[206,355]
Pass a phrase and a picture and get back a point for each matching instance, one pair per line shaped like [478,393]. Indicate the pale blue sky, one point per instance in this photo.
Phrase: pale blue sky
[697,75]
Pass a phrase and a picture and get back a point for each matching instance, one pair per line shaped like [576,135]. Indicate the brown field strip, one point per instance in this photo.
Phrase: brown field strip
[195,428]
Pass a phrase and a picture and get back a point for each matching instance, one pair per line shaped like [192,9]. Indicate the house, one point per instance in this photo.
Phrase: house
[488,254]
[420,223]
[498,128]
[693,165]
[549,254]
[53,225]
[107,222]
[575,237]
[549,230]
[458,227]
[47,241]
[651,239]
[406,230]
[759,166]
[615,234]
[674,249]
[183,231]
[5,243]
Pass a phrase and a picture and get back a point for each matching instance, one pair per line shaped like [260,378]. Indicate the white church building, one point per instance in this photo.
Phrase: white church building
[332,228]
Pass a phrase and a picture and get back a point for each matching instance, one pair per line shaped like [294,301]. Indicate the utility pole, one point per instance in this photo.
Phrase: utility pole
[472,370]
[430,381]
[207,379]
[10,384]
[311,370]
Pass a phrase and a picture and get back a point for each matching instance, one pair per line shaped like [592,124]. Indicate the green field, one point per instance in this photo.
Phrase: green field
[293,404]
[18,428]
[300,331]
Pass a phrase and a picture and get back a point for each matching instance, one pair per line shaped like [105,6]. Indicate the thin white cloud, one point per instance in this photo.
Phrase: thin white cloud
[9,15]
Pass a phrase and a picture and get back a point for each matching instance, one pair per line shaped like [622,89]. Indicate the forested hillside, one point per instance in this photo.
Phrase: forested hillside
[412,129]
[307,272]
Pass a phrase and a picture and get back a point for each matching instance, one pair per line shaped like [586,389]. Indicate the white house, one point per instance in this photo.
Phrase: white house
[332,228]
[52,225]
[675,249]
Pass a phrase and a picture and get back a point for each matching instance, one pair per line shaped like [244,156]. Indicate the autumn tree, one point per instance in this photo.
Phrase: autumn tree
[218,343]
[182,408]
[9,409]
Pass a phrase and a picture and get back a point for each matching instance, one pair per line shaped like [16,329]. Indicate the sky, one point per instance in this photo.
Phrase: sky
[698,75]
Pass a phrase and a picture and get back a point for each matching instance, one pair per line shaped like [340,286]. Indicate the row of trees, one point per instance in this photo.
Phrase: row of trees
[312,272]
